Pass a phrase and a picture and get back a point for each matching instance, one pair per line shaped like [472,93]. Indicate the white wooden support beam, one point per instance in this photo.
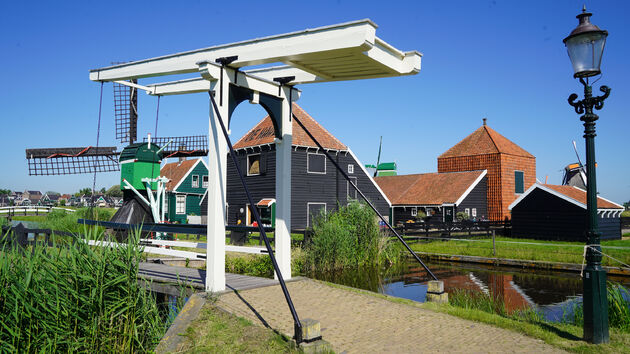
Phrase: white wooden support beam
[147,89]
[283,191]
[217,196]
[212,72]
[356,36]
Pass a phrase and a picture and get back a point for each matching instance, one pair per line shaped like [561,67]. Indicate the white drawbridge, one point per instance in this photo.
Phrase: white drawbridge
[347,51]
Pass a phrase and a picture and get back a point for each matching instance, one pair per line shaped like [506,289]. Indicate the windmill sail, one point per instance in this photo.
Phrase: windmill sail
[74,160]
[182,146]
[126,112]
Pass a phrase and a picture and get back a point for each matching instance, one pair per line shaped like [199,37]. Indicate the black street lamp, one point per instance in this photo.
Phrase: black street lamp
[585,45]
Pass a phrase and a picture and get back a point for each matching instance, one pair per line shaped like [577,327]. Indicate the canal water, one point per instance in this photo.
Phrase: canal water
[553,294]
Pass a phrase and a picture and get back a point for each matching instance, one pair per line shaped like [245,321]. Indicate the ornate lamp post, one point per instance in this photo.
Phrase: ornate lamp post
[585,45]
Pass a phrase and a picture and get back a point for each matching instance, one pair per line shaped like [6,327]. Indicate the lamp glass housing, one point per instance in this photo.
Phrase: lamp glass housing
[585,51]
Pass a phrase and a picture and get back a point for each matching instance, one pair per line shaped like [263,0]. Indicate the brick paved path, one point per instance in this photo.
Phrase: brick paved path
[360,323]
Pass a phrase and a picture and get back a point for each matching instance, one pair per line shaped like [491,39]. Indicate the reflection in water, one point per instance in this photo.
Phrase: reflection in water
[553,294]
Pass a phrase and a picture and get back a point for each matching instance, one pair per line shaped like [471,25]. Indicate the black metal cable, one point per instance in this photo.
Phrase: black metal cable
[157,115]
[296,319]
[98,136]
[345,175]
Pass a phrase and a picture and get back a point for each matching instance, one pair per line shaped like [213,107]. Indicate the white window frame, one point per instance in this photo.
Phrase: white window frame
[414,211]
[308,170]
[204,181]
[178,204]
[474,212]
[194,183]
[350,168]
[467,211]
[248,165]
[350,188]
[308,211]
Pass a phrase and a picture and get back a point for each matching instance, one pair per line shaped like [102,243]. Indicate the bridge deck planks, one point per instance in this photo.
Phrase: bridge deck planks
[196,277]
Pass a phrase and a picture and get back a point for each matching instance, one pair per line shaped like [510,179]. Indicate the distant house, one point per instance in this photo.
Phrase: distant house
[49,199]
[16,197]
[188,183]
[31,197]
[316,185]
[65,198]
[439,195]
[555,212]
[511,169]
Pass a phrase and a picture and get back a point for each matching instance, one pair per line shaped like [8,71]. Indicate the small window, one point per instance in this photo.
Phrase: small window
[180,204]
[519,183]
[313,210]
[350,168]
[204,181]
[316,163]
[195,181]
[467,211]
[352,193]
[414,211]
[474,212]
[253,165]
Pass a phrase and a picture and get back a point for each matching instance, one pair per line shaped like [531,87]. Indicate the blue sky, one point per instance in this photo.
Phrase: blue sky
[503,60]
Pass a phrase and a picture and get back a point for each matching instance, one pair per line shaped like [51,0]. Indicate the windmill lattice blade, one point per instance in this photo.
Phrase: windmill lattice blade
[182,146]
[77,160]
[126,112]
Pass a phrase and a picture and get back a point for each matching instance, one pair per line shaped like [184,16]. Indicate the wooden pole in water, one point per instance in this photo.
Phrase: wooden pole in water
[494,247]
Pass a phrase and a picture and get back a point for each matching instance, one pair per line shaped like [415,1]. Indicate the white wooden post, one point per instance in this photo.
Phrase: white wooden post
[283,190]
[217,164]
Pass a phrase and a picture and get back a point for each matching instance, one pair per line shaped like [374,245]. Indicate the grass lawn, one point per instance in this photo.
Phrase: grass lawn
[550,251]
[215,331]
[561,335]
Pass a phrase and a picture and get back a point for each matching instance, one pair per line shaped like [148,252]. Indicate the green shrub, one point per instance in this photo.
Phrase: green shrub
[348,237]
[76,299]
[256,265]
[461,216]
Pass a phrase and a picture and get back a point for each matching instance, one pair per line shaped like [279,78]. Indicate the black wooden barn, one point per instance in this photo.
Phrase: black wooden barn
[553,212]
[315,182]
[439,195]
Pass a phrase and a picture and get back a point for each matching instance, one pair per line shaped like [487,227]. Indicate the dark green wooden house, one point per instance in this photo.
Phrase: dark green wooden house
[188,183]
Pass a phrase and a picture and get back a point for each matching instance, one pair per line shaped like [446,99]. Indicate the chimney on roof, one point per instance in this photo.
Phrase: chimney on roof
[484,121]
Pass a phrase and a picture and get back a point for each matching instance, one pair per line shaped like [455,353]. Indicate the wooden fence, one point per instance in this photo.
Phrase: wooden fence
[29,210]
[454,229]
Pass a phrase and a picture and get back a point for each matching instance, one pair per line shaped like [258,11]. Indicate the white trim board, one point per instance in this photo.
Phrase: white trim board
[559,195]
[370,177]
[471,187]
[188,172]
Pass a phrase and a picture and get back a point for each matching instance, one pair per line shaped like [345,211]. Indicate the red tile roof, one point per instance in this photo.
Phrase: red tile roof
[263,133]
[427,188]
[485,141]
[579,195]
[175,171]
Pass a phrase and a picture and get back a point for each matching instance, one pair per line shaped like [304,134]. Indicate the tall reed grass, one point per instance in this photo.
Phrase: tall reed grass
[618,308]
[349,237]
[61,220]
[76,298]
